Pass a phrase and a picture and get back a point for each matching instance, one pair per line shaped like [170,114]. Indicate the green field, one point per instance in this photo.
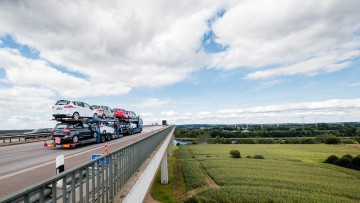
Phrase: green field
[289,173]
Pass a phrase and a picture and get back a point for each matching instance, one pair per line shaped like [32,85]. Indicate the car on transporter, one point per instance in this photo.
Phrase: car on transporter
[72,109]
[102,111]
[120,113]
[68,132]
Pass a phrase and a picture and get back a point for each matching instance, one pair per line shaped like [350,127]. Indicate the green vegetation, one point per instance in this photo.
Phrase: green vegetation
[347,161]
[235,154]
[194,177]
[205,132]
[290,173]
[175,191]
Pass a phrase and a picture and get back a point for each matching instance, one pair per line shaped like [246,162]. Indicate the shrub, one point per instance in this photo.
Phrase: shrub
[347,141]
[249,157]
[357,138]
[348,156]
[308,141]
[245,141]
[356,161]
[235,154]
[293,141]
[266,141]
[331,159]
[332,140]
[258,156]
[344,162]
[192,199]
[178,144]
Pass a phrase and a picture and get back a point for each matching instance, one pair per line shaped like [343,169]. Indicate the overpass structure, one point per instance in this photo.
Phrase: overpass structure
[123,175]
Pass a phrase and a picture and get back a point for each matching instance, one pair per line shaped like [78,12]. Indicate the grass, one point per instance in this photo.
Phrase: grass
[289,173]
[175,191]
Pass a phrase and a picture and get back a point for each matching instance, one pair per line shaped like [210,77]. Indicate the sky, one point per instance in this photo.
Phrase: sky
[189,62]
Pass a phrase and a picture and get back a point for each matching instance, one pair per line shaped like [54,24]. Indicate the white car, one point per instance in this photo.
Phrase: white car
[107,129]
[72,109]
[102,111]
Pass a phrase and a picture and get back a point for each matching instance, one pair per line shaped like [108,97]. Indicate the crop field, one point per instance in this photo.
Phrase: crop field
[289,173]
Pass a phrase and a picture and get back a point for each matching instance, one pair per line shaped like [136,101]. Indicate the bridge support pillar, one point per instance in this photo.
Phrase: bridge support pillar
[164,170]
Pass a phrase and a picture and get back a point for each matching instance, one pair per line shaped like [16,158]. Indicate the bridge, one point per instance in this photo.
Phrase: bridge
[28,174]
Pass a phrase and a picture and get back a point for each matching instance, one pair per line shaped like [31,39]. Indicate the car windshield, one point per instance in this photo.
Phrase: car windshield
[62,102]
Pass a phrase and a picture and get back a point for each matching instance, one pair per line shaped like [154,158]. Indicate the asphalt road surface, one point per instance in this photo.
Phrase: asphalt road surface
[26,164]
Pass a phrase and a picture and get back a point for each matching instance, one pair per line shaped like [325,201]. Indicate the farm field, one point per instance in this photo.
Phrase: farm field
[289,173]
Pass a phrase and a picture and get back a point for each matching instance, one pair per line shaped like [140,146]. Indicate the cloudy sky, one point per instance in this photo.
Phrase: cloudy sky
[205,61]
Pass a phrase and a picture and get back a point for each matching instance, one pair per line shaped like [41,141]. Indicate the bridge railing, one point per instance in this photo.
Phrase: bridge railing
[9,137]
[98,180]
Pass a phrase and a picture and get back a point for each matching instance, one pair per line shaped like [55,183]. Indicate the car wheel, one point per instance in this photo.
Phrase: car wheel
[75,139]
[103,138]
[95,115]
[103,116]
[109,137]
[76,116]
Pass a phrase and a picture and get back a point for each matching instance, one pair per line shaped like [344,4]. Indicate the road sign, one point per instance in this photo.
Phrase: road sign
[105,160]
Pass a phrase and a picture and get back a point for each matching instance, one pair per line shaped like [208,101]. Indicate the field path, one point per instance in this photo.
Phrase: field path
[210,182]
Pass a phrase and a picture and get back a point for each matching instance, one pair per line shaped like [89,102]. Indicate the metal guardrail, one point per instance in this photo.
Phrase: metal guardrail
[98,180]
[18,137]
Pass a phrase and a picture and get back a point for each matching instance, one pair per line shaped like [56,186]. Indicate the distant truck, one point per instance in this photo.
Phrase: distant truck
[164,122]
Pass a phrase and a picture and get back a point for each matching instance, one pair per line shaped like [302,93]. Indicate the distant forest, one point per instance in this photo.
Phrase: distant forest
[351,129]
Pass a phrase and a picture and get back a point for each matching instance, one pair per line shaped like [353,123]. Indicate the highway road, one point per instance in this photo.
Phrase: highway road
[26,164]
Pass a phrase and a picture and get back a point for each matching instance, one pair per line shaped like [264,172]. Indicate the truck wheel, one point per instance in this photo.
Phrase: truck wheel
[109,136]
[95,134]
[75,139]
[103,116]
[103,138]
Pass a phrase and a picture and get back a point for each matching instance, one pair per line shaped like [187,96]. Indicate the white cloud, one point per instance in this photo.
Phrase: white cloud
[135,42]
[288,38]
[319,111]
[302,106]
[354,84]
[147,114]
[328,63]
[24,71]
[169,113]
[153,103]
[28,99]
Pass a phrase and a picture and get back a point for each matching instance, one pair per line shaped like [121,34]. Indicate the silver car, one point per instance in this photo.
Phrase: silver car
[102,111]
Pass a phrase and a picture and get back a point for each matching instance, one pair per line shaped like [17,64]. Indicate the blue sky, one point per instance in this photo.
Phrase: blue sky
[198,62]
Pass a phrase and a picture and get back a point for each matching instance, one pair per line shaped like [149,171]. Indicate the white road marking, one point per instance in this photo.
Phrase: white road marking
[12,154]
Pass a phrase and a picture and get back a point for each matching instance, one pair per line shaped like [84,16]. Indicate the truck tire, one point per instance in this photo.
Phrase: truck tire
[103,138]
[75,139]
[103,116]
